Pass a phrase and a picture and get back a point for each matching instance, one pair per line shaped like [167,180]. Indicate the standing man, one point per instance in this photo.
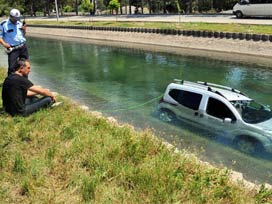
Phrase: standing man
[12,37]
[19,94]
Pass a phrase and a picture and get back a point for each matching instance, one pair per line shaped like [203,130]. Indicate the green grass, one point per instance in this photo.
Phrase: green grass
[67,155]
[223,27]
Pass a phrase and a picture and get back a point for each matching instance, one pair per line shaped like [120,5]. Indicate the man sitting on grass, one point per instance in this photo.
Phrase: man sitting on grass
[19,94]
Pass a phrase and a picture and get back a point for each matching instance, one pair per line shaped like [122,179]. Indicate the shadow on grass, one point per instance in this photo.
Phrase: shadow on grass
[2,111]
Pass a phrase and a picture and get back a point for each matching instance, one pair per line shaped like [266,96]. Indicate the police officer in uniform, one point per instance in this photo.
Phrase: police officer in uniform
[12,37]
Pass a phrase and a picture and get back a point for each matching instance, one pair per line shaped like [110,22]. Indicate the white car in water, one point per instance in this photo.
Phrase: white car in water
[220,109]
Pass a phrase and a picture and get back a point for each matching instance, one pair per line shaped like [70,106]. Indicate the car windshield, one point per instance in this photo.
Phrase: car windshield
[252,112]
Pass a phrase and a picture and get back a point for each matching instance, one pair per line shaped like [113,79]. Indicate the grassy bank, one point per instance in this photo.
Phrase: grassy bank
[67,155]
[231,27]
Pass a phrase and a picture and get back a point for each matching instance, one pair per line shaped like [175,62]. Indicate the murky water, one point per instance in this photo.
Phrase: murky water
[127,84]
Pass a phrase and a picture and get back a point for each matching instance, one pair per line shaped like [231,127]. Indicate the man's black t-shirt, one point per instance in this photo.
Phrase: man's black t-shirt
[14,93]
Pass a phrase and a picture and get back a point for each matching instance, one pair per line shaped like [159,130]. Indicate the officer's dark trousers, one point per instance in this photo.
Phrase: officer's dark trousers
[33,104]
[21,52]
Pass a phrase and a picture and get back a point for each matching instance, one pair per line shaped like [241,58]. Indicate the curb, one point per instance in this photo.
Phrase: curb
[194,33]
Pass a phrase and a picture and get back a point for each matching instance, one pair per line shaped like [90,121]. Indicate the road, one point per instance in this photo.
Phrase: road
[163,18]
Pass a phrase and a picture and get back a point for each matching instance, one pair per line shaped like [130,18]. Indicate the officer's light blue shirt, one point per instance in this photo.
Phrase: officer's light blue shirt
[12,34]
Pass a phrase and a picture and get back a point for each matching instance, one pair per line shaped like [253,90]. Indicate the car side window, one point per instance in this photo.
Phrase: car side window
[244,2]
[186,98]
[218,109]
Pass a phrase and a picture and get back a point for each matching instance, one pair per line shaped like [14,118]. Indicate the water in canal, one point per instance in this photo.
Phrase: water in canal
[127,84]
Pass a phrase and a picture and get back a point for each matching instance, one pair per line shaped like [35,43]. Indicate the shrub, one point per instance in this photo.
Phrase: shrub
[86,6]
[68,9]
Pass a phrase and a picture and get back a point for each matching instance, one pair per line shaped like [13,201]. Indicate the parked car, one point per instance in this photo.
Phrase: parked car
[253,8]
[220,109]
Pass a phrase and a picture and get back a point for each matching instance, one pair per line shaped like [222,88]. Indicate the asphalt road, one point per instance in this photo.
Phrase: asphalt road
[163,18]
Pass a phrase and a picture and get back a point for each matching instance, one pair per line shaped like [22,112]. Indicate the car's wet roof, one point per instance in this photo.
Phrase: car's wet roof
[228,94]
[231,96]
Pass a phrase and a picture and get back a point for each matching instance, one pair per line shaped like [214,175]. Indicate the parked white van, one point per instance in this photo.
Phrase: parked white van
[253,8]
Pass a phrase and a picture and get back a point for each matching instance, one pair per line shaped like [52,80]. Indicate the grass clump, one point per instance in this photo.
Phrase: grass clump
[18,166]
[67,155]
[88,187]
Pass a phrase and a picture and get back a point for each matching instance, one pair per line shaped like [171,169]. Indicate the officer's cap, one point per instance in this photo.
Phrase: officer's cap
[15,13]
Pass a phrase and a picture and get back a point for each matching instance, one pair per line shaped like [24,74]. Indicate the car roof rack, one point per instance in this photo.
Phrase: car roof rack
[179,81]
[220,86]
[208,85]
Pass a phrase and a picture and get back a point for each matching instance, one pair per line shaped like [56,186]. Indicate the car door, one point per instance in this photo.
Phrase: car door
[188,104]
[218,117]
[257,8]
[268,7]
[247,7]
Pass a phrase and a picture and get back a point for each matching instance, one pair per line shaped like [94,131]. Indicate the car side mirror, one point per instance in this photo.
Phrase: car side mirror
[227,120]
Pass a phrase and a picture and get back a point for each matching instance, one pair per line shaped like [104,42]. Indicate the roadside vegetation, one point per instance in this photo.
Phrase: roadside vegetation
[220,27]
[47,8]
[68,155]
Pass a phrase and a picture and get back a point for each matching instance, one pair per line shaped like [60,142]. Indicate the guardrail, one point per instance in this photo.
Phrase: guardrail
[193,33]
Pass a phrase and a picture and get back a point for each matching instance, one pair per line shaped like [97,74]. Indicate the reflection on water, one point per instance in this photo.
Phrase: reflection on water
[119,82]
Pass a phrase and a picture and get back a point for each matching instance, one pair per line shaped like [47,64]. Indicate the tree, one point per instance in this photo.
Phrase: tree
[114,5]
[4,8]
[155,6]
[67,8]
[86,6]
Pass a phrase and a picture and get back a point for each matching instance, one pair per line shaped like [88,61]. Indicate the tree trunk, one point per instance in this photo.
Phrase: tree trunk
[31,9]
[164,6]
[76,7]
[94,7]
[199,6]
[46,8]
[129,3]
[149,6]
[142,6]
[126,7]
[212,6]
[61,9]
[191,6]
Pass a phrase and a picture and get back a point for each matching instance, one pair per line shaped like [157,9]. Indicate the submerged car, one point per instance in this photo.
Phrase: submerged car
[220,109]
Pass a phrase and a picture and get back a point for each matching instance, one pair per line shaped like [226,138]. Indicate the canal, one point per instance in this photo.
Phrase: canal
[127,84]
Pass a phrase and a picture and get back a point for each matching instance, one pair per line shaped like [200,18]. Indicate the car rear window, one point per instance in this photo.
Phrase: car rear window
[186,98]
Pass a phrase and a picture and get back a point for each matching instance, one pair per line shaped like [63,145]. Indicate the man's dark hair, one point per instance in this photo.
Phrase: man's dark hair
[20,62]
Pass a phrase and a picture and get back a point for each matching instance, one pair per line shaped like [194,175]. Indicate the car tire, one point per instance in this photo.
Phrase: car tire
[167,116]
[248,145]
[239,14]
